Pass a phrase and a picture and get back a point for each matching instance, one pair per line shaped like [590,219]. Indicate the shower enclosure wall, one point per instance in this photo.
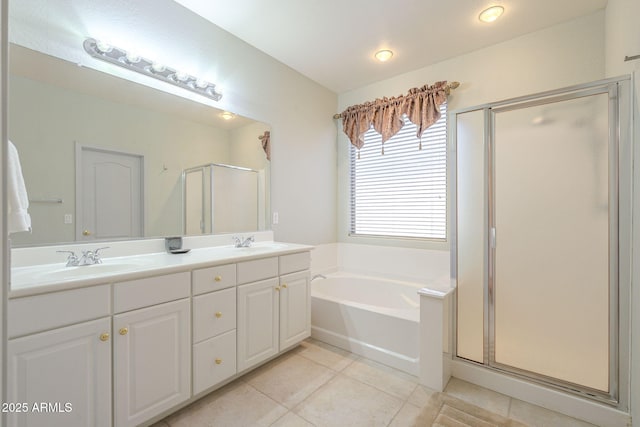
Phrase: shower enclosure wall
[542,238]
[219,198]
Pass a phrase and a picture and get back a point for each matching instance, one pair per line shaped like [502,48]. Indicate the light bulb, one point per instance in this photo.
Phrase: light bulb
[181,76]
[383,55]
[132,58]
[103,47]
[491,14]
[157,67]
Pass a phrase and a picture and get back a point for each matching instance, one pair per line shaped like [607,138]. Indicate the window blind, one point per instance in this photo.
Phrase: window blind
[403,192]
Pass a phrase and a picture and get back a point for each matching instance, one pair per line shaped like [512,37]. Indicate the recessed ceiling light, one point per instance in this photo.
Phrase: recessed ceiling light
[227,115]
[383,55]
[491,14]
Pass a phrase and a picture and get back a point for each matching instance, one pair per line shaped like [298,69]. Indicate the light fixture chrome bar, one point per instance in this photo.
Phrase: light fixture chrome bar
[122,58]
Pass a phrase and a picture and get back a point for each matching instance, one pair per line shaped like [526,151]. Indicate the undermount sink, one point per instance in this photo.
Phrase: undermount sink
[87,270]
[268,246]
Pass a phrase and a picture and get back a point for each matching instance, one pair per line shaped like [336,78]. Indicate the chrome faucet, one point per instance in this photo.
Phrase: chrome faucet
[89,257]
[72,260]
[240,243]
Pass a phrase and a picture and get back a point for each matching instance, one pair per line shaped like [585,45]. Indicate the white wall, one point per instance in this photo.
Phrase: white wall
[246,149]
[622,38]
[563,55]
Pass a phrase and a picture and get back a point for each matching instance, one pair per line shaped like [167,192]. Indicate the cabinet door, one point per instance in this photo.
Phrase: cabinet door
[152,361]
[257,322]
[65,372]
[295,309]
[214,360]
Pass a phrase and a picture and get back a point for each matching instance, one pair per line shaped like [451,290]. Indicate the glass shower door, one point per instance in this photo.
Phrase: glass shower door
[553,239]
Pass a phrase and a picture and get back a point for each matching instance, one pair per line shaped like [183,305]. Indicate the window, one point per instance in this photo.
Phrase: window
[403,192]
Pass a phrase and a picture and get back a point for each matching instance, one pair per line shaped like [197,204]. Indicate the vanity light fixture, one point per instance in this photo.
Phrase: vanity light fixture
[383,55]
[491,14]
[134,62]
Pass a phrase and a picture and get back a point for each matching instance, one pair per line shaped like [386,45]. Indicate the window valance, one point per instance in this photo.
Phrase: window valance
[421,105]
[266,143]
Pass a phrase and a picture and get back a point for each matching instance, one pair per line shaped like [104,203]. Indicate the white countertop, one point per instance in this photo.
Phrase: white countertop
[43,278]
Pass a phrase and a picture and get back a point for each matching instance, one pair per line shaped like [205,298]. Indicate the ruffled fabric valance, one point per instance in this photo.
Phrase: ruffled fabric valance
[421,105]
[266,143]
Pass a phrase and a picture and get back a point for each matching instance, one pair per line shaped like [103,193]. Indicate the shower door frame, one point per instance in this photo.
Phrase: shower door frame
[620,175]
[211,205]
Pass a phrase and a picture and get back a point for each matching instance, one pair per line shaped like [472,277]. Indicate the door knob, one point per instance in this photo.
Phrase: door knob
[218,314]
[104,336]
[218,361]
[86,233]
[124,331]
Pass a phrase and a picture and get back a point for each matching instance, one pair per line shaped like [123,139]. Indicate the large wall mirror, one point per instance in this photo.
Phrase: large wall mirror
[93,145]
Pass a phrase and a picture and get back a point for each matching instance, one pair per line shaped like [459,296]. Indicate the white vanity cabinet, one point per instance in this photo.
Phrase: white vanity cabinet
[64,370]
[274,313]
[128,352]
[151,348]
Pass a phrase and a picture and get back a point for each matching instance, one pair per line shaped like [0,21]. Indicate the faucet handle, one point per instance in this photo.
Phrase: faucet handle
[237,241]
[71,253]
[72,259]
[96,256]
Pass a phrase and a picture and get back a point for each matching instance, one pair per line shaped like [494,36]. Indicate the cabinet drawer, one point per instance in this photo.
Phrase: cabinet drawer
[294,262]
[214,314]
[258,269]
[150,291]
[47,311]
[213,278]
[214,360]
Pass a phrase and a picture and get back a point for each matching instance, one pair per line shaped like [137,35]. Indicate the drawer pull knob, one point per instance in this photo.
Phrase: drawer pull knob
[124,331]
[218,361]
[104,337]
[278,288]
[86,233]
[218,278]
[218,314]
[284,286]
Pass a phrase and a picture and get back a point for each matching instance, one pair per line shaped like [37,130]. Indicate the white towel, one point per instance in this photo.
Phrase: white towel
[18,201]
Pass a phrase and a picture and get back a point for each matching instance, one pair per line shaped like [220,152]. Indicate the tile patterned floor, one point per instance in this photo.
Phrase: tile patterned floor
[320,385]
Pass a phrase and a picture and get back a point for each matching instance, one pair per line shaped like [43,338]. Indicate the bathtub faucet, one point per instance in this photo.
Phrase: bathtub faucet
[318,276]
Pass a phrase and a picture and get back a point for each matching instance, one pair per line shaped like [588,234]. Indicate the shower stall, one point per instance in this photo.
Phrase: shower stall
[541,238]
[220,198]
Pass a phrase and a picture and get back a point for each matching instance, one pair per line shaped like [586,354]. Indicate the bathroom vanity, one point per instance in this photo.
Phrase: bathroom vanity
[138,337]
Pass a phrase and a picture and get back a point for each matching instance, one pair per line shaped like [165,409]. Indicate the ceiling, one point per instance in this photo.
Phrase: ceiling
[333,41]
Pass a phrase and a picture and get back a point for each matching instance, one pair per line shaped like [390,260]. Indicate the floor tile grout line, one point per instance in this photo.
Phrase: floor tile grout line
[325,366]
[377,388]
[333,375]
